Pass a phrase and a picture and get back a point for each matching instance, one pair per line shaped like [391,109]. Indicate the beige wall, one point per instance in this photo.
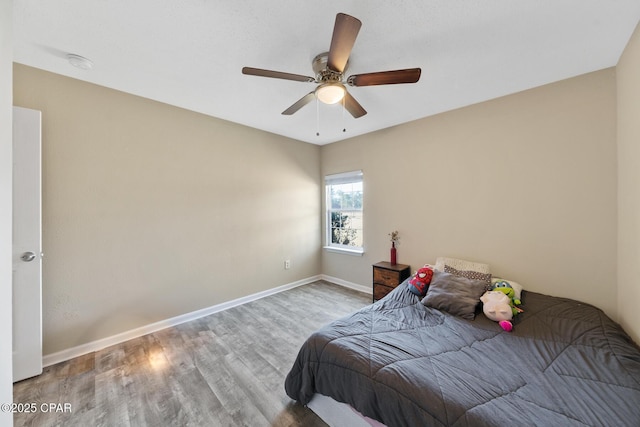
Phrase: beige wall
[525,183]
[628,71]
[6,55]
[151,211]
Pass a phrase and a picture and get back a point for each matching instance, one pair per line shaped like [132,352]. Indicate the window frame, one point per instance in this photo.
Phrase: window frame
[335,179]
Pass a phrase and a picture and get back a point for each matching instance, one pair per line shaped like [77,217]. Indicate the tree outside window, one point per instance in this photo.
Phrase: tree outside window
[344,209]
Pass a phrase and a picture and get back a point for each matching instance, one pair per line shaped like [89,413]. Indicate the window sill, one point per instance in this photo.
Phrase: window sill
[354,252]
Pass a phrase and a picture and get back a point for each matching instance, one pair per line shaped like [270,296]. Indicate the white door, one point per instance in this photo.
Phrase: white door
[27,244]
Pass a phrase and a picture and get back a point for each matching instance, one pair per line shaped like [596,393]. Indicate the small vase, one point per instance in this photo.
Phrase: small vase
[394,253]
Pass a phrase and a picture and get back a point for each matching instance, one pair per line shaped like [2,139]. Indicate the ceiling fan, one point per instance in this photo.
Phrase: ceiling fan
[330,68]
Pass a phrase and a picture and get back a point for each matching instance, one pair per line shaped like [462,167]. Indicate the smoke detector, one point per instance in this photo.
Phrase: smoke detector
[79,61]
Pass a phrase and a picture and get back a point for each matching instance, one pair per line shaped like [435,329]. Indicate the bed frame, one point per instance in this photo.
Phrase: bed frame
[338,414]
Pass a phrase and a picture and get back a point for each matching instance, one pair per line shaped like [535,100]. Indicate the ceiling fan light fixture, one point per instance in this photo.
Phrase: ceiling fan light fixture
[331,92]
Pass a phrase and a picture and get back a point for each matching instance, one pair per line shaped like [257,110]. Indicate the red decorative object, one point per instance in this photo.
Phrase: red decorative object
[394,253]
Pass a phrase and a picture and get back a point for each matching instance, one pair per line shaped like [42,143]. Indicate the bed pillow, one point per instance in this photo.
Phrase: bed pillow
[462,265]
[470,274]
[517,287]
[456,295]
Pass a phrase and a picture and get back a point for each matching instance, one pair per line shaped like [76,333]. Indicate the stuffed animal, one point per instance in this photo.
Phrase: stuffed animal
[504,287]
[496,306]
[517,287]
[420,281]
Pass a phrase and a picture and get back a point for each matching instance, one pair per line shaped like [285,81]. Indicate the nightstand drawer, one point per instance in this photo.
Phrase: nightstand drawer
[386,277]
[381,291]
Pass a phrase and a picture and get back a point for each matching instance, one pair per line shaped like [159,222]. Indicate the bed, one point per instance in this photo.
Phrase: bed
[402,363]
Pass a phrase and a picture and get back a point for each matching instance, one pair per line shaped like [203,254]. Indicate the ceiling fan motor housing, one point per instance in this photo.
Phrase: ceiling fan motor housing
[323,72]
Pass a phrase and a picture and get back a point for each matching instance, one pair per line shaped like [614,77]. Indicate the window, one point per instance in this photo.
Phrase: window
[344,211]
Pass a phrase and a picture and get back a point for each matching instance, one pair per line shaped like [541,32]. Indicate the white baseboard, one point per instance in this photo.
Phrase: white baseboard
[350,285]
[70,353]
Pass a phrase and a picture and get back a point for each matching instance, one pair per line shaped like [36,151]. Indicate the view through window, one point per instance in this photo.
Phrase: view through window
[344,210]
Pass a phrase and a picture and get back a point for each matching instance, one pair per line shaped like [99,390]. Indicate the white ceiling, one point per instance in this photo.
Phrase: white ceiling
[190,53]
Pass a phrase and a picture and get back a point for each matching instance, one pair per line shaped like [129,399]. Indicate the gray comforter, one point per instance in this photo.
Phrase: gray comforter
[565,363]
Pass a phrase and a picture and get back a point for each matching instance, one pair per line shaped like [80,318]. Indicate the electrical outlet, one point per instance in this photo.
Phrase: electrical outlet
[287,264]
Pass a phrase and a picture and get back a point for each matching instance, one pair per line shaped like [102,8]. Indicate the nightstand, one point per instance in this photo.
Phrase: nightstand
[387,277]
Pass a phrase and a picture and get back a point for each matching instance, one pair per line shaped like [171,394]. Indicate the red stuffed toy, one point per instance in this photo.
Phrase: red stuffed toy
[419,283]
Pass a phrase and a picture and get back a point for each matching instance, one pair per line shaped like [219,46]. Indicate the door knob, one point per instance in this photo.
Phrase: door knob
[28,256]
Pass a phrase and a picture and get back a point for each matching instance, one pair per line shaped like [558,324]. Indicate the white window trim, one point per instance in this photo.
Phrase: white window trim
[345,251]
[339,178]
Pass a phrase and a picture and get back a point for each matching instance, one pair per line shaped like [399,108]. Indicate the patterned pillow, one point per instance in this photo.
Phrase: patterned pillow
[462,265]
[469,274]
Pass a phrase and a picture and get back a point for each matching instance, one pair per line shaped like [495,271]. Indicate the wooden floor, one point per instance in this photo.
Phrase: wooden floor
[226,369]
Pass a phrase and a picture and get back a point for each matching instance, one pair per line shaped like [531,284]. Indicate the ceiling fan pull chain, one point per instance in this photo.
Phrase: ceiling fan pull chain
[317,117]
[344,129]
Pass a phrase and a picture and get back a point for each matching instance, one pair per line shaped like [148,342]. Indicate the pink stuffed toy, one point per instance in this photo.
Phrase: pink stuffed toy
[496,306]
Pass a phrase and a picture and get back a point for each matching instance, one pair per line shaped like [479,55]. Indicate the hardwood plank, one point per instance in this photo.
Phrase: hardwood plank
[111,409]
[220,376]
[226,369]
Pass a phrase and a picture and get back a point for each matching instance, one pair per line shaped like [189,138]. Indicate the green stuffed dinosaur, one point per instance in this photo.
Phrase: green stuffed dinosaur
[505,287]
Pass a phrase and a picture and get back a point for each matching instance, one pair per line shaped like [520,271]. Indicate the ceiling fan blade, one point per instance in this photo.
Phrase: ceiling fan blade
[276,74]
[344,36]
[410,75]
[299,104]
[353,106]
